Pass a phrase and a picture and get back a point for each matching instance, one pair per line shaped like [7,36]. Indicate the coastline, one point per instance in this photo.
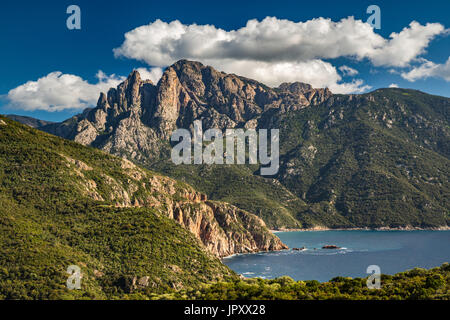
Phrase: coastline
[321,228]
[243,253]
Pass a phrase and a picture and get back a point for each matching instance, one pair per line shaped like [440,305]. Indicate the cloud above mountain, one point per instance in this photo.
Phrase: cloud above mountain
[153,74]
[316,72]
[272,51]
[429,69]
[57,91]
[266,50]
[348,71]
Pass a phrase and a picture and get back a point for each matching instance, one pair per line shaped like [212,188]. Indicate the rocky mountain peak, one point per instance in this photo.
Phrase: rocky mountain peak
[295,87]
[128,91]
[185,65]
[102,101]
[136,117]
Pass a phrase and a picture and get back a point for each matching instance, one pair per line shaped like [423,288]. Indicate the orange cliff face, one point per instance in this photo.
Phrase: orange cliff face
[222,228]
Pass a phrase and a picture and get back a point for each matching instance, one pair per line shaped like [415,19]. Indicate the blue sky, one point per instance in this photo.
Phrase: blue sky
[36,42]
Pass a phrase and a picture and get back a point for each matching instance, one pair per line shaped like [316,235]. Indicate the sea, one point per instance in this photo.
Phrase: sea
[390,251]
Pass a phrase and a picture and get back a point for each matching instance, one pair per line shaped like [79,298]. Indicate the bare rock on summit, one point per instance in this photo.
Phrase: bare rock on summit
[87,133]
[137,118]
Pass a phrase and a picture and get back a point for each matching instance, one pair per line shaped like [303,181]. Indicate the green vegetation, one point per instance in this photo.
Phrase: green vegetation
[242,187]
[410,285]
[49,219]
[363,173]
[375,160]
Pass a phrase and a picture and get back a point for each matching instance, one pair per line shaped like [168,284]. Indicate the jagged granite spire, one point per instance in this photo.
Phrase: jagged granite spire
[136,117]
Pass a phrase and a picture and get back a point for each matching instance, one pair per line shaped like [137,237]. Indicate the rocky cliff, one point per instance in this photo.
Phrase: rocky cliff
[223,228]
[118,183]
[137,118]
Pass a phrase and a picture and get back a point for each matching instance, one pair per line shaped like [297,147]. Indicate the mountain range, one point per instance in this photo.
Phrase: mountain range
[374,160]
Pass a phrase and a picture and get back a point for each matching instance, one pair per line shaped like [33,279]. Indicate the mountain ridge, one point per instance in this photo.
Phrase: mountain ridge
[29,121]
[321,134]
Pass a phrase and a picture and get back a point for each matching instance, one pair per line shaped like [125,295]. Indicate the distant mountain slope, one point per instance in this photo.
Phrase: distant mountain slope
[126,227]
[375,160]
[29,121]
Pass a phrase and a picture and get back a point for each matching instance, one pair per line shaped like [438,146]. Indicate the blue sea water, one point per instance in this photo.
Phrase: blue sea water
[392,251]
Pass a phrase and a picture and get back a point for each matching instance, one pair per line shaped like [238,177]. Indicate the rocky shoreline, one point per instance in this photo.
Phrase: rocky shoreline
[405,228]
[320,228]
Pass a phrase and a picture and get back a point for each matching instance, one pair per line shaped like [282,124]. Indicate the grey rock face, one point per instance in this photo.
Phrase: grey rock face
[137,118]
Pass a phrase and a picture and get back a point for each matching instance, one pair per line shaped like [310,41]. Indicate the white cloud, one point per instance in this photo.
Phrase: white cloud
[348,71]
[356,86]
[318,73]
[160,43]
[153,74]
[57,91]
[393,85]
[405,46]
[265,50]
[428,69]
[272,51]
